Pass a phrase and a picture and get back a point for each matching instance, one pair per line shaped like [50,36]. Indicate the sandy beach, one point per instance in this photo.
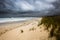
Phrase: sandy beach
[27,30]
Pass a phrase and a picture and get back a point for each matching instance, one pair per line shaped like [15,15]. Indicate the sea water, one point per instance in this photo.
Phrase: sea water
[3,20]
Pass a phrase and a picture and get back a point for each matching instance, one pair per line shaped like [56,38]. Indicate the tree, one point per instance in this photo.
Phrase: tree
[53,23]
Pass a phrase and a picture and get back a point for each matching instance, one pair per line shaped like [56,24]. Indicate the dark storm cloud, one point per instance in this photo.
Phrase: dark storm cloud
[28,8]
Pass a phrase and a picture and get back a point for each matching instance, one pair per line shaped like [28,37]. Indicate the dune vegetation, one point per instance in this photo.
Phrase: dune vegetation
[52,23]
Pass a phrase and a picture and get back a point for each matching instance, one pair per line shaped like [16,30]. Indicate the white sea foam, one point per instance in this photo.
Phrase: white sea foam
[3,20]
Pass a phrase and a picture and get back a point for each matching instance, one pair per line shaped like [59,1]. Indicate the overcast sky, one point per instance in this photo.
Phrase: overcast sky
[25,5]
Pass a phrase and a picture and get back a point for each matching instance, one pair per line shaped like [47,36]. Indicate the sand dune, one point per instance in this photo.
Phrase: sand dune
[24,31]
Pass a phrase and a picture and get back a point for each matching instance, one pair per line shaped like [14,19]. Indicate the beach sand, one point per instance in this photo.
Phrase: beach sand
[23,31]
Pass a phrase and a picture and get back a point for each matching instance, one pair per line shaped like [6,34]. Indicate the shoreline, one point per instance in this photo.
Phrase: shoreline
[21,21]
[12,25]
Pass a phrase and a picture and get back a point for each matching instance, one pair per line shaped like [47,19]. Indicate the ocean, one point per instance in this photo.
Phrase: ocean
[3,20]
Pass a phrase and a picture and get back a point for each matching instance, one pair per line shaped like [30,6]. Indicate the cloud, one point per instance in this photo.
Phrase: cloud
[50,1]
[15,7]
[43,5]
[25,6]
[36,5]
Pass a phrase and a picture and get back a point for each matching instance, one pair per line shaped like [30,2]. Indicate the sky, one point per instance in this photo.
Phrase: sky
[25,5]
[10,8]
